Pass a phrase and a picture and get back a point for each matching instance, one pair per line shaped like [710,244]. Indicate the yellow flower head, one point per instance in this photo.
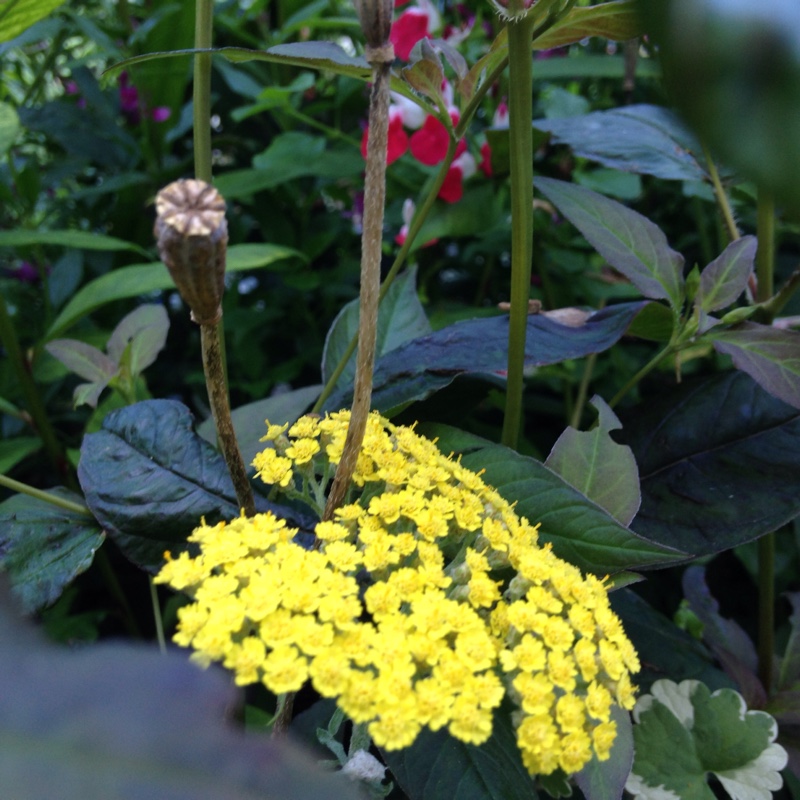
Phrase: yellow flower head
[456,603]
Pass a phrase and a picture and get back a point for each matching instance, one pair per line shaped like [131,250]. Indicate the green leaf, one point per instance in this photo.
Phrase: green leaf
[479,210]
[618,21]
[43,547]
[12,451]
[400,319]
[143,333]
[719,463]
[437,766]
[478,348]
[148,478]
[66,238]
[683,732]
[725,278]
[627,240]
[644,139]
[770,356]
[139,279]
[603,780]
[18,15]
[69,730]
[426,77]
[248,420]
[597,466]
[656,323]
[742,62]
[9,127]
[580,531]
[83,359]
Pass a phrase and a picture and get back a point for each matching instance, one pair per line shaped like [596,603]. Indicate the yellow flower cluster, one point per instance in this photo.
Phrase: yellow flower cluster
[426,601]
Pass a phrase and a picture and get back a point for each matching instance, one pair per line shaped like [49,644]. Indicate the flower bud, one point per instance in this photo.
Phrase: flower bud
[192,236]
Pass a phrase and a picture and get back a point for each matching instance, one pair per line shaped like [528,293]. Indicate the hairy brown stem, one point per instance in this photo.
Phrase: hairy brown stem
[220,409]
[372,238]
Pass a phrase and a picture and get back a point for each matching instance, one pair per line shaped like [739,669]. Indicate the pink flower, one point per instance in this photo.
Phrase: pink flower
[161,114]
[500,119]
[413,24]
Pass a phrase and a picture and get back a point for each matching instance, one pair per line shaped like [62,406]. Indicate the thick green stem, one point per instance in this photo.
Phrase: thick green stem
[416,225]
[520,109]
[765,257]
[202,90]
[221,411]
[369,298]
[765,268]
[33,400]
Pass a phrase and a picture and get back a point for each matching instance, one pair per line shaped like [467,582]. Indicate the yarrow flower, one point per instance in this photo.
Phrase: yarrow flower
[425,601]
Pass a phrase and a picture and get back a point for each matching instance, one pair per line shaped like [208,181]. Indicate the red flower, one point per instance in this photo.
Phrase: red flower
[411,26]
[429,143]
[398,140]
[453,187]
[486,160]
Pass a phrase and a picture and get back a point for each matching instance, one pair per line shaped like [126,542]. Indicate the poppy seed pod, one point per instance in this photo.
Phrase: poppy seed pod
[375,17]
[192,236]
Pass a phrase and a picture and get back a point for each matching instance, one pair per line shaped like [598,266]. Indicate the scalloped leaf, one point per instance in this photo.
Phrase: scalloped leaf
[770,356]
[148,478]
[580,531]
[719,463]
[478,348]
[631,243]
[597,466]
[44,547]
[684,731]
[123,720]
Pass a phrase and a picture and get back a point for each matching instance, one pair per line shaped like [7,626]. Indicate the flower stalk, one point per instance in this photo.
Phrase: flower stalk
[192,236]
[376,19]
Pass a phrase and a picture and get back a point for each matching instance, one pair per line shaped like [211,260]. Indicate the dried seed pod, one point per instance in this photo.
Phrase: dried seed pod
[192,236]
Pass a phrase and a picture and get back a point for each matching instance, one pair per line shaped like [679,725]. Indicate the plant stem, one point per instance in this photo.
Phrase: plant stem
[36,408]
[765,256]
[221,410]
[583,389]
[283,714]
[202,90]
[162,644]
[520,108]
[648,367]
[722,197]
[61,502]
[783,296]
[416,225]
[369,298]
[765,268]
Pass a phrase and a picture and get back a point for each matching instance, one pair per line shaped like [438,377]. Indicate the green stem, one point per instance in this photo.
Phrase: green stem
[647,368]
[783,296]
[162,643]
[722,197]
[765,257]
[202,90]
[583,390]
[36,409]
[765,268]
[53,499]
[766,608]
[520,109]
[416,225]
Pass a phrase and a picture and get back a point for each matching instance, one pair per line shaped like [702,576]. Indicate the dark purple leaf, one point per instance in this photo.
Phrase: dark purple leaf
[725,278]
[605,780]
[631,243]
[770,356]
[479,347]
[719,463]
